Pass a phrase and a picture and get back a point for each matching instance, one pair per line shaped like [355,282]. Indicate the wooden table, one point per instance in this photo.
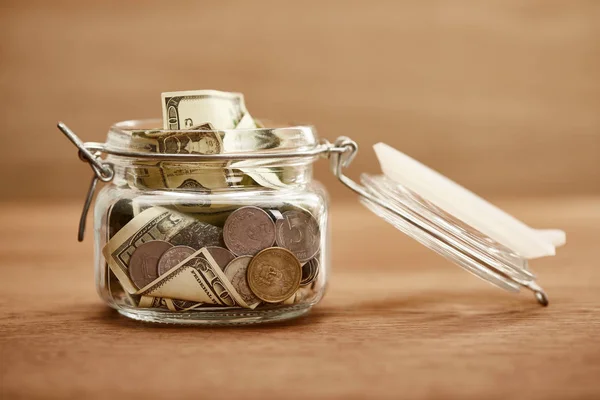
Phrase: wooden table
[398,322]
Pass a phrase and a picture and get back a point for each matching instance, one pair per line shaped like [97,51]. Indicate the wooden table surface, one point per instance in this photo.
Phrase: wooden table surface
[398,322]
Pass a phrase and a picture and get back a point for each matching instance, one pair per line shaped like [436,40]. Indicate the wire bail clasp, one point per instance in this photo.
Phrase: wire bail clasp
[103,171]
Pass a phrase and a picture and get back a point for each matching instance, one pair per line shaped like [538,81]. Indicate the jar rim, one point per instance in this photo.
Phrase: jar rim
[151,125]
[288,138]
[288,142]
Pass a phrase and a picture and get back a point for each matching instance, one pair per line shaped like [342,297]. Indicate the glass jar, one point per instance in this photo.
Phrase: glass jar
[228,227]
[225,239]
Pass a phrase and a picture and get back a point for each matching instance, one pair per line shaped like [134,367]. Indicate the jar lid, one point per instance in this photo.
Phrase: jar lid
[456,223]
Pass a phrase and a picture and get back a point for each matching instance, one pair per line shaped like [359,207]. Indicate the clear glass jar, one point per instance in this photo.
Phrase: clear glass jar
[228,227]
[221,240]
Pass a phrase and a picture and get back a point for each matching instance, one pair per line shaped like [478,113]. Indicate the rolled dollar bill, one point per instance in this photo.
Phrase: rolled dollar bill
[203,139]
[185,109]
[156,223]
[198,278]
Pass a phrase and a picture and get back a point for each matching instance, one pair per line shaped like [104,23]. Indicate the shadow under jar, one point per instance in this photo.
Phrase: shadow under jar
[232,238]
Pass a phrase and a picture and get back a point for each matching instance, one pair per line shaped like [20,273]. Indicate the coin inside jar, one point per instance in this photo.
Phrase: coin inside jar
[143,264]
[310,271]
[274,274]
[299,232]
[172,257]
[236,272]
[221,255]
[198,235]
[248,230]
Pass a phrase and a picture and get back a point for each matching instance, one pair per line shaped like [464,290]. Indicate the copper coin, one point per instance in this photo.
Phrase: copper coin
[143,264]
[236,273]
[221,255]
[248,230]
[310,270]
[299,232]
[172,257]
[274,274]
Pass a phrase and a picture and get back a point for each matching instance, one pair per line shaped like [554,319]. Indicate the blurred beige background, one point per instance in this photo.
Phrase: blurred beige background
[503,96]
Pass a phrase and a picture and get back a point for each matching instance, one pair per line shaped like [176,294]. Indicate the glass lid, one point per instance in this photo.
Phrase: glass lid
[451,220]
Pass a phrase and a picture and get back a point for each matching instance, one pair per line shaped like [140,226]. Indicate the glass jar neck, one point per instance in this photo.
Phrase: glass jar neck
[206,174]
[203,177]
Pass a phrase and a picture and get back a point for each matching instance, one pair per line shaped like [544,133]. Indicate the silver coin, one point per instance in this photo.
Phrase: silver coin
[299,232]
[248,230]
[235,271]
[172,257]
[310,271]
[198,235]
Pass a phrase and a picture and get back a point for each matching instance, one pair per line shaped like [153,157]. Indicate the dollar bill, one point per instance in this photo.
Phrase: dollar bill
[173,175]
[199,279]
[183,110]
[156,302]
[264,172]
[202,112]
[156,223]
[198,207]
[178,305]
[246,122]
[242,140]
[253,141]
[217,123]
[265,176]
[202,139]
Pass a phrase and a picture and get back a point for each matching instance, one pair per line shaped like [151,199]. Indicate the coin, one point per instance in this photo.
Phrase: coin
[143,264]
[248,230]
[236,273]
[299,232]
[198,235]
[274,274]
[221,255]
[310,270]
[172,257]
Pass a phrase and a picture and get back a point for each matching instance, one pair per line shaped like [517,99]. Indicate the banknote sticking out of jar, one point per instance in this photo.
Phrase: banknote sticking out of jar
[211,217]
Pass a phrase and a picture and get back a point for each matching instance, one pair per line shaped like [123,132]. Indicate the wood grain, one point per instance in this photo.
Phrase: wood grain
[398,322]
[501,95]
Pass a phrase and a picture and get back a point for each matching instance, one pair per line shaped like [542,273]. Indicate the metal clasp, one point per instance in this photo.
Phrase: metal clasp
[103,171]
